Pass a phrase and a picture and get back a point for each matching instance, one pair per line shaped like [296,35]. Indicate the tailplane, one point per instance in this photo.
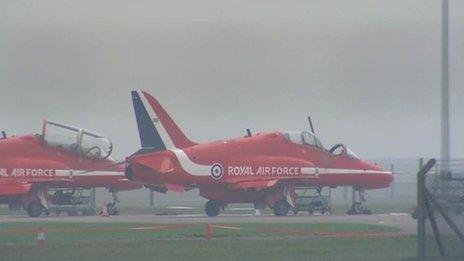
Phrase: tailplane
[157,130]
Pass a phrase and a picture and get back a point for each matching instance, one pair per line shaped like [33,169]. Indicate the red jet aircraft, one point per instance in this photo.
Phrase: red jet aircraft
[263,169]
[61,157]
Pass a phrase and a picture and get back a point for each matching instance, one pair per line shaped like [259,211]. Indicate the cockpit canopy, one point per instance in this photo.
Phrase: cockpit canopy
[304,138]
[76,140]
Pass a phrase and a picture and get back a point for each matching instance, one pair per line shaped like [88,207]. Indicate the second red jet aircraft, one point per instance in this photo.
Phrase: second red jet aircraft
[61,157]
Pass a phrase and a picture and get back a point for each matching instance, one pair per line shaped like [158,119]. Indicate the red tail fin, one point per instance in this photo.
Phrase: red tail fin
[167,130]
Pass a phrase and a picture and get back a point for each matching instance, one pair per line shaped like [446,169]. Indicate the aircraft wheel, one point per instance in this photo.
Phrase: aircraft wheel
[367,212]
[34,209]
[355,209]
[212,208]
[281,208]
[113,209]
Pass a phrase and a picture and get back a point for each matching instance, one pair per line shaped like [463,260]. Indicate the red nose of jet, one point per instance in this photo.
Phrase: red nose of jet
[378,177]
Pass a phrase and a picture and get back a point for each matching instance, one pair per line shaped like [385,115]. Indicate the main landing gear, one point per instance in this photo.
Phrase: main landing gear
[279,199]
[35,208]
[213,207]
[356,207]
[281,207]
[38,204]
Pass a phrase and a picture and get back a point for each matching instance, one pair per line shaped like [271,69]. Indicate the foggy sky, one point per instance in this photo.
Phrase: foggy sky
[367,71]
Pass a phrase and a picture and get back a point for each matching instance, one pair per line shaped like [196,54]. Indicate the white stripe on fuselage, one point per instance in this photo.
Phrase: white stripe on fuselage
[328,171]
[164,135]
[85,173]
[189,166]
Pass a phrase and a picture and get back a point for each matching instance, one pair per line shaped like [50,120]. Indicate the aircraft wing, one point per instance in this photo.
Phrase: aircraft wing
[11,188]
[175,187]
[266,183]
[125,184]
[14,189]
[256,184]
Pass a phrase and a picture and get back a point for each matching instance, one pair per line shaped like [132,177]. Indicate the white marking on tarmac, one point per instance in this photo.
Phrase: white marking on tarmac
[399,214]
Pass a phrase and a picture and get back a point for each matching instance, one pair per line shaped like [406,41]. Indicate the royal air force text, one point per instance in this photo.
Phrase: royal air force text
[262,171]
[27,173]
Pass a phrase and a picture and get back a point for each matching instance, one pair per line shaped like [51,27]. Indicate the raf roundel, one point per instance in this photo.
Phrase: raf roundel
[217,171]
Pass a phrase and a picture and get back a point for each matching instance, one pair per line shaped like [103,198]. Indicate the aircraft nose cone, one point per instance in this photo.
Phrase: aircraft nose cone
[390,177]
[386,176]
[128,172]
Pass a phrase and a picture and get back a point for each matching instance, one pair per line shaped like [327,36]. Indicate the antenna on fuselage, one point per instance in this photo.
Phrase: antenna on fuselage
[248,133]
[3,135]
[311,125]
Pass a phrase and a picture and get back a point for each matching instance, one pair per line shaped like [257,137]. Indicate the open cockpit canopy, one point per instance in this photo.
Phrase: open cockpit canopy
[76,140]
[304,138]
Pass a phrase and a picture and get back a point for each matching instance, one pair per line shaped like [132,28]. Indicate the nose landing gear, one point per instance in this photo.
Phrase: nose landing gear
[112,207]
[356,207]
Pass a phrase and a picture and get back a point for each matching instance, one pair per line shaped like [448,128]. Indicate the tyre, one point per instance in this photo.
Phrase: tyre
[367,212]
[212,208]
[113,209]
[34,209]
[281,208]
[355,209]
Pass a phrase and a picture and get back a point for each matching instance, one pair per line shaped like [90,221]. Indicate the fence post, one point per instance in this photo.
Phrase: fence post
[392,185]
[421,206]
[420,212]
[152,200]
